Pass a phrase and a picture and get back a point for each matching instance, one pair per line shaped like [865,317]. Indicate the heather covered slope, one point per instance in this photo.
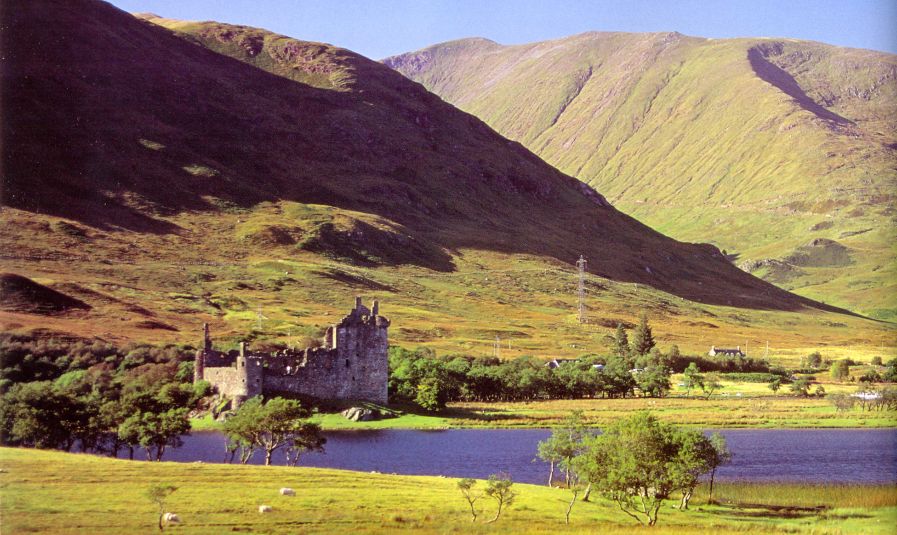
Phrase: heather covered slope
[756,145]
[120,123]
[164,183]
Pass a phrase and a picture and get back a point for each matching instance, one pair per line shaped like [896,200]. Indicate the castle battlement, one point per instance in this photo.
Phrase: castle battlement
[352,363]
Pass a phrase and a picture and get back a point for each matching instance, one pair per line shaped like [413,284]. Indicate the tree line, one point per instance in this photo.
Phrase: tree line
[99,398]
[635,367]
[95,397]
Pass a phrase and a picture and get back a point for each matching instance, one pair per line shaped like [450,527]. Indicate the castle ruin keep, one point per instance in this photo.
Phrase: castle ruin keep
[351,365]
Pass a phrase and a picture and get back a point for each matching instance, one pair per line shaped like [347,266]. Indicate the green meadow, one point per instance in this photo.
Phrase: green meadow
[53,492]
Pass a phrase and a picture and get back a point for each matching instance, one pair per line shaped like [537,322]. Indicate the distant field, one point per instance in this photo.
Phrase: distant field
[52,492]
[736,405]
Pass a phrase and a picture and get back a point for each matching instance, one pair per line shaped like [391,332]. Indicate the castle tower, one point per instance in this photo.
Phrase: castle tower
[361,347]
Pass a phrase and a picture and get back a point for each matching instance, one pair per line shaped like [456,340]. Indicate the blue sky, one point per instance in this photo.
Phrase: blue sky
[384,27]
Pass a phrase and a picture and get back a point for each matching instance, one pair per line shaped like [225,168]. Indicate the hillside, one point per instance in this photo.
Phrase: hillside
[759,146]
[163,184]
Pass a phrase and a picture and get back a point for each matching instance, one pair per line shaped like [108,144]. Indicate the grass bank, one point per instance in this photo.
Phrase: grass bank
[53,492]
[751,410]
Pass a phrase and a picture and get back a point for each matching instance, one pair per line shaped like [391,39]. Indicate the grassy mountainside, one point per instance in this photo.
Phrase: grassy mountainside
[758,146]
[100,495]
[164,184]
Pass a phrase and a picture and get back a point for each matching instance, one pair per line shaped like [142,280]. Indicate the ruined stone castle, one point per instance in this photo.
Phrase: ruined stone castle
[351,365]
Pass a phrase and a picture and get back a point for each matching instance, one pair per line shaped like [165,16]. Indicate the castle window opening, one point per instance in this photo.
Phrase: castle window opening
[347,363]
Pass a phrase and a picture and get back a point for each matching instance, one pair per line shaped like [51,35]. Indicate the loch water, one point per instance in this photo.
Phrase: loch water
[760,455]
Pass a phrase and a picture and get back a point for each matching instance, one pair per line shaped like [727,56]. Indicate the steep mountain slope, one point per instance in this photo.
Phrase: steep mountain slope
[756,145]
[163,184]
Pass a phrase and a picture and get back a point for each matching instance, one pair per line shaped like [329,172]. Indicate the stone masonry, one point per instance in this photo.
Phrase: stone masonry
[351,365]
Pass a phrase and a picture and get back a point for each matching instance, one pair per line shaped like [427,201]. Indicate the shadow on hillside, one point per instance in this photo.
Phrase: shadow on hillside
[780,78]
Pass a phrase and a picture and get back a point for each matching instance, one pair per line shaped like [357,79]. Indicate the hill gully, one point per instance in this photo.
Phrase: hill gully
[759,455]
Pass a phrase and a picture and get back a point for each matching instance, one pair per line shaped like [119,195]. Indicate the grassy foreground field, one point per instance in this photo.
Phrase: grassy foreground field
[53,492]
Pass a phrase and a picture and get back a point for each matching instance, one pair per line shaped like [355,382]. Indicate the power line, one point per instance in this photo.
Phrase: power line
[581,289]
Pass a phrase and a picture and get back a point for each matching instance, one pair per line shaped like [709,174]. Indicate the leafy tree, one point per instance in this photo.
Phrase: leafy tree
[654,381]
[563,445]
[155,431]
[617,379]
[38,415]
[693,378]
[498,487]
[158,494]
[277,423]
[775,384]
[621,342]
[871,376]
[428,395]
[642,337]
[842,402]
[694,456]
[308,438]
[466,487]
[840,370]
[876,361]
[711,384]
[800,387]
[720,456]
[890,373]
[638,462]
[814,360]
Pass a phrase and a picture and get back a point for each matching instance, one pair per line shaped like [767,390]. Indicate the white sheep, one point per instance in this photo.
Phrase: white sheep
[265,509]
[287,491]
[171,518]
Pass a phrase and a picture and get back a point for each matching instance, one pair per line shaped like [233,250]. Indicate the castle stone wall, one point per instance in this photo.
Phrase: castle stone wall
[352,365]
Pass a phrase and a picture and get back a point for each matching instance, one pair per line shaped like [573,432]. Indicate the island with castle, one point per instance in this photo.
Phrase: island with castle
[352,364]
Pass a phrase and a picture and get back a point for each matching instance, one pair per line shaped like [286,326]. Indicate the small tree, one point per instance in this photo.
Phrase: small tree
[632,462]
[466,487]
[814,360]
[575,489]
[720,456]
[158,494]
[428,395]
[711,384]
[800,387]
[842,402]
[840,370]
[642,338]
[775,384]
[563,445]
[155,431]
[277,423]
[621,342]
[499,489]
[693,378]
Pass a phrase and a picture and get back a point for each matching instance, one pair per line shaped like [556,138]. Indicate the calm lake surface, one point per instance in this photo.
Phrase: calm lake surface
[794,455]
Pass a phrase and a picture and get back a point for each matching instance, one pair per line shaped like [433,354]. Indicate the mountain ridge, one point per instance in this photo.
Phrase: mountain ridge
[707,140]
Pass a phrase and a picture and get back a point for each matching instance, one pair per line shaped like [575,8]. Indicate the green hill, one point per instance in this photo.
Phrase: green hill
[758,146]
[169,178]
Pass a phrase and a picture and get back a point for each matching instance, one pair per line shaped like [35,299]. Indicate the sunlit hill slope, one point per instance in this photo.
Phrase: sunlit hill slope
[781,152]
